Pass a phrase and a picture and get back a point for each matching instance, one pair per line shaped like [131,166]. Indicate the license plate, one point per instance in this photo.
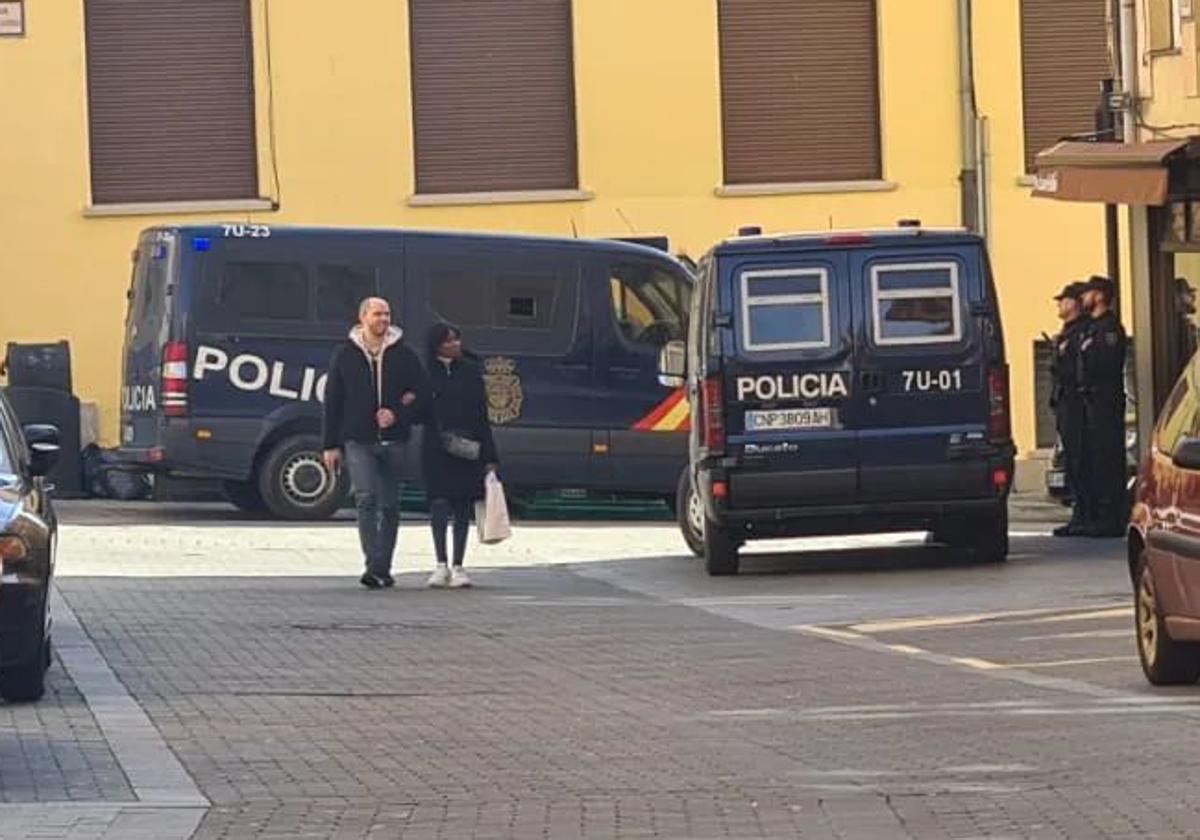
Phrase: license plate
[789,419]
[1056,479]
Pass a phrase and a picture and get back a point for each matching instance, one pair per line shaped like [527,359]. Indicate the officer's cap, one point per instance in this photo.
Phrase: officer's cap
[1071,290]
[1096,283]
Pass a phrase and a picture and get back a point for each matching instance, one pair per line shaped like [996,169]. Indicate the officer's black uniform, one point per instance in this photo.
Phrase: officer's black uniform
[1067,401]
[1102,357]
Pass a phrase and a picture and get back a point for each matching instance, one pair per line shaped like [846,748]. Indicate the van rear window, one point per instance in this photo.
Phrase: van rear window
[785,309]
[916,303]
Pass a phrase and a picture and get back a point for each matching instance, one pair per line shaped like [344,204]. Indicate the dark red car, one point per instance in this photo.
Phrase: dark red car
[1164,540]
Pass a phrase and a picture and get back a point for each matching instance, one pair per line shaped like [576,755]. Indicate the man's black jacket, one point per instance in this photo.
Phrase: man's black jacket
[354,392]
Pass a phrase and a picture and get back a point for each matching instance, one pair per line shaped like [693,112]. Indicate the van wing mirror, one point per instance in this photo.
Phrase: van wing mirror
[672,364]
[1187,454]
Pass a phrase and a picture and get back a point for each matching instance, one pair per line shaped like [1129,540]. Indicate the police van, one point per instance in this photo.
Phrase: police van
[230,328]
[845,383]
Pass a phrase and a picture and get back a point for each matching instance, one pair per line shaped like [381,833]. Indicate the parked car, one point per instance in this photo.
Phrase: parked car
[28,536]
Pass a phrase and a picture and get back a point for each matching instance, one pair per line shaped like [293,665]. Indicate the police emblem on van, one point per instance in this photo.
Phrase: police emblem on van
[795,386]
[504,394]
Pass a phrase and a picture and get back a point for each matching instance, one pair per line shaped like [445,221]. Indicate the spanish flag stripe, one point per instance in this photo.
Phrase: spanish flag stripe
[676,418]
[648,422]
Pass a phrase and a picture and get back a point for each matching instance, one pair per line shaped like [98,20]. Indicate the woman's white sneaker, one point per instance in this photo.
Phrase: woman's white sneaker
[458,578]
[440,577]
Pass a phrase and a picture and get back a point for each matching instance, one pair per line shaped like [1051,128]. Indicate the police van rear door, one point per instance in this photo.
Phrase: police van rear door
[921,374]
[147,327]
[788,378]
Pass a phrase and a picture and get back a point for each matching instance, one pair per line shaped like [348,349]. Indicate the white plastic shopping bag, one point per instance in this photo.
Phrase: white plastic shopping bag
[491,515]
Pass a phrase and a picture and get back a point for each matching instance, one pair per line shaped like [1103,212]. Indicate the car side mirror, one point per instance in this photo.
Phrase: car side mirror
[672,364]
[43,448]
[1187,454]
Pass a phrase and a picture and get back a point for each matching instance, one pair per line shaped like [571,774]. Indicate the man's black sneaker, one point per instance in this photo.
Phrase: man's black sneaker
[1071,529]
[372,581]
[388,581]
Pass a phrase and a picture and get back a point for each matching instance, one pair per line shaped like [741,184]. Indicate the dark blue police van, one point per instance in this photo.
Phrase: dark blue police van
[230,328]
[846,383]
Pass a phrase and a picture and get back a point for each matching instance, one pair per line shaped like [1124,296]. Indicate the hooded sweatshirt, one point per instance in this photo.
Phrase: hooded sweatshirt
[361,382]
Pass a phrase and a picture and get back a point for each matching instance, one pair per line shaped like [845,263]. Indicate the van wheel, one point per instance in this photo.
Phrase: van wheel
[720,550]
[689,513]
[244,495]
[294,483]
[982,539]
[1164,661]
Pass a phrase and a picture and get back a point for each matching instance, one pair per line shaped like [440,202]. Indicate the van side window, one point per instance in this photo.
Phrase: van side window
[504,304]
[340,289]
[785,309]
[916,303]
[264,291]
[649,305]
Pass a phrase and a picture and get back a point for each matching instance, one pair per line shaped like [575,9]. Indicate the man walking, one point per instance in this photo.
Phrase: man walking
[1067,403]
[373,396]
[1102,358]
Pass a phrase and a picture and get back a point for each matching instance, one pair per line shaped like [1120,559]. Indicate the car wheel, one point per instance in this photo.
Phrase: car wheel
[720,550]
[689,513]
[1164,661]
[26,682]
[245,495]
[295,484]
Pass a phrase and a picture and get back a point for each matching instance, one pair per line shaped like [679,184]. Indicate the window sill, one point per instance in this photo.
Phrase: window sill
[516,197]
[158,208]
[805,188]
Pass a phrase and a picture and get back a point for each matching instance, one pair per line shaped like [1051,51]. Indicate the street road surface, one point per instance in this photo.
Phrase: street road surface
[219,677]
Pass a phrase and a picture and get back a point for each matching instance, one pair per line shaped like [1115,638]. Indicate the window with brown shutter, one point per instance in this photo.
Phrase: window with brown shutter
[1064,57]
[170,100]
[799,90]
[493,95]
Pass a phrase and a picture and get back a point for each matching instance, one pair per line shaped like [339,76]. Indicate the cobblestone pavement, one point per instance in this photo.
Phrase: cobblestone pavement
[877,693]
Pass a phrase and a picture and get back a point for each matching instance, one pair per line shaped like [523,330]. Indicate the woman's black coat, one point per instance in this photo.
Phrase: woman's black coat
[459,404]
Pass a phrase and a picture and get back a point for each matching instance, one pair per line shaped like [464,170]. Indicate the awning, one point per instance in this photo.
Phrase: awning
[1112,173]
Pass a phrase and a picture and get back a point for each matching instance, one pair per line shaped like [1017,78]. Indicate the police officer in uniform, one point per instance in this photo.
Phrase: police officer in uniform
[1102,375]
[1066,400]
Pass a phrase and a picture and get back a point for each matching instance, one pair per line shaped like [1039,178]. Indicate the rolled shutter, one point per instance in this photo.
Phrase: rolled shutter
[493,95]
[799,90]
[1064,58]
[171,100]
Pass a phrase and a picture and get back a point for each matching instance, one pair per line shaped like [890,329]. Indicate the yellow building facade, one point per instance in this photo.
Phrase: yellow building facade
[333,109]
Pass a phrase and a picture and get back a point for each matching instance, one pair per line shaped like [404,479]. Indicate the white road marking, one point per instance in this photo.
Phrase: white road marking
[1046,614]
[1063,663]
[1084,634]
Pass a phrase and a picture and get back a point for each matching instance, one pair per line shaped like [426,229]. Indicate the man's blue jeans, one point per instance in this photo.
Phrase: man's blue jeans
[376,475]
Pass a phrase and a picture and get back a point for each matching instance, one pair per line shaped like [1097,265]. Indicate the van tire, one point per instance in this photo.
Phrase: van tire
[983,539]
[1164,660]
[245,495]
[720,550]
[290,485]
[689,513]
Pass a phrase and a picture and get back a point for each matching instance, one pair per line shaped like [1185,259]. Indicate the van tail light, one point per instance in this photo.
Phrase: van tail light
[712,407]
[999,424]
[175,379]
[13,552]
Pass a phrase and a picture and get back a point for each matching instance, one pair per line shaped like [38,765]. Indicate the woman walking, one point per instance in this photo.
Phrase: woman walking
[458,449]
